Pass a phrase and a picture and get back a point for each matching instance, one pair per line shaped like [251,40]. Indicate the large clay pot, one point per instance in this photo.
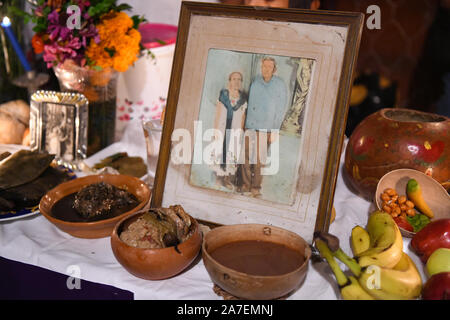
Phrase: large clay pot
[397,138]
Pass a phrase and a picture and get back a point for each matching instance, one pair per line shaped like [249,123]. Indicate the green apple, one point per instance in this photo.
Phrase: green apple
[439,261]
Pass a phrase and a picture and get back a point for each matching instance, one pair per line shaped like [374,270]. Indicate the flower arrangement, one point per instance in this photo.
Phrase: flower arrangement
[105,37]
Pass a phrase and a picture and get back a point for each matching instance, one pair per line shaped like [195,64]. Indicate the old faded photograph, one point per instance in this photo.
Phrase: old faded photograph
[251,116]
[59,128]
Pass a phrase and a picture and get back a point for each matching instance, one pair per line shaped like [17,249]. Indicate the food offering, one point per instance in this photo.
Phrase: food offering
[434,236]
[94,202]
[412,198]
[255,261]
[124,164]
[379,247]
[259,258]
[432,245]
[25,177]
[159,228]
[90,207]
[414,192]
[403,210]
[158,243]
[14,122]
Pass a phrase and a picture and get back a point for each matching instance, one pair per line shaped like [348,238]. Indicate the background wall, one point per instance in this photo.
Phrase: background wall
[395,49]
[162,11]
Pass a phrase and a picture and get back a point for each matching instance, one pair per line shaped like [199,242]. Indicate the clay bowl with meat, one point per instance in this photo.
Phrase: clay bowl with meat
[255,261]
[156,244]
[90,207]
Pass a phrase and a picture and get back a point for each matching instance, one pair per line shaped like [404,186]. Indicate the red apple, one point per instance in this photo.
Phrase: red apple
[433,236]
[437,287]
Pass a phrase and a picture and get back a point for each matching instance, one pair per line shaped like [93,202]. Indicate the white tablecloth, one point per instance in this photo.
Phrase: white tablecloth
[36,241]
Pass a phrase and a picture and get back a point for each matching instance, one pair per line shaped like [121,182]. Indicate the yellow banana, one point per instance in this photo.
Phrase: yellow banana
[360,240]
[386,242]
[402,282]
[349,286]
[354,291]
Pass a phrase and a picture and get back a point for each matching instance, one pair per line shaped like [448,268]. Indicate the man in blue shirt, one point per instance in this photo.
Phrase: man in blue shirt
[267,106]
[267,99]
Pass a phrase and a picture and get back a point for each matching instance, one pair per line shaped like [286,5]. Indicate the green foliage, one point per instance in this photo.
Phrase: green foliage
[161,41]
[110,51]
[40,24]
[137,20]
[100,7]
[418,221]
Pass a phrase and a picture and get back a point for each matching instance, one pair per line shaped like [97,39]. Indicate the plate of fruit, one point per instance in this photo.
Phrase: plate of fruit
[412,198]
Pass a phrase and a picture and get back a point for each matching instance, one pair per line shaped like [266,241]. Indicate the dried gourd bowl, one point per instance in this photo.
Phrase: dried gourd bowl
[251,286]
[434,194]
[158,263]
[94,229]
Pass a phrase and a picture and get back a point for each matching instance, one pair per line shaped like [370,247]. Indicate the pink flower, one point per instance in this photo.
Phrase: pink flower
[56,52]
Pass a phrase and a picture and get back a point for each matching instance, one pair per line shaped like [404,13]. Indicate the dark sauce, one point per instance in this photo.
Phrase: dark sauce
[259,258]
[63,210]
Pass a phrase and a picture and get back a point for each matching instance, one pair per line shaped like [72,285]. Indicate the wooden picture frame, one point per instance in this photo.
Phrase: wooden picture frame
[215,41]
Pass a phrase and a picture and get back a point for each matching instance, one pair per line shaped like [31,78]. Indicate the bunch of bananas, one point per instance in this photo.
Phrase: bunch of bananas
[380,268]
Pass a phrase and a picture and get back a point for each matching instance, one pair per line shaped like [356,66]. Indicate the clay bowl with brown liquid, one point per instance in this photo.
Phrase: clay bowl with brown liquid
[157,263]
[254,261]
[68,222]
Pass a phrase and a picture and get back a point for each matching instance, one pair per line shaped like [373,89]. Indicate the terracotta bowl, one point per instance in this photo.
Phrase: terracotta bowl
[155,264]
[433,192]
[96,229]
[248,286]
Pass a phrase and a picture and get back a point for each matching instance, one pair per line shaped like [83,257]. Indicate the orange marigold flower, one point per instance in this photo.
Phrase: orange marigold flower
[37,43]
[119,42]
[118,22]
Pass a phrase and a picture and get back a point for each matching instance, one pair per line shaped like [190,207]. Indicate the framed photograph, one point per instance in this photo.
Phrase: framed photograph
[58,125]
[256,114]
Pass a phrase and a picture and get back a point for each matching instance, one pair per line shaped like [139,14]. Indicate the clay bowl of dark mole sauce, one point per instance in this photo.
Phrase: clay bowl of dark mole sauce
[89,207]
[254,261]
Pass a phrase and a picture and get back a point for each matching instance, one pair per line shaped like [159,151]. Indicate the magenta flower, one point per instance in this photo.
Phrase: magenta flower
[57,29]
[89,32]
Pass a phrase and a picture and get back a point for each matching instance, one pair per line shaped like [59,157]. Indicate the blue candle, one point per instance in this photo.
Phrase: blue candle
[6,24]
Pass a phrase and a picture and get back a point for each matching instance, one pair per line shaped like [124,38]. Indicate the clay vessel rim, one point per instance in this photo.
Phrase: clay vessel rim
[397,112]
